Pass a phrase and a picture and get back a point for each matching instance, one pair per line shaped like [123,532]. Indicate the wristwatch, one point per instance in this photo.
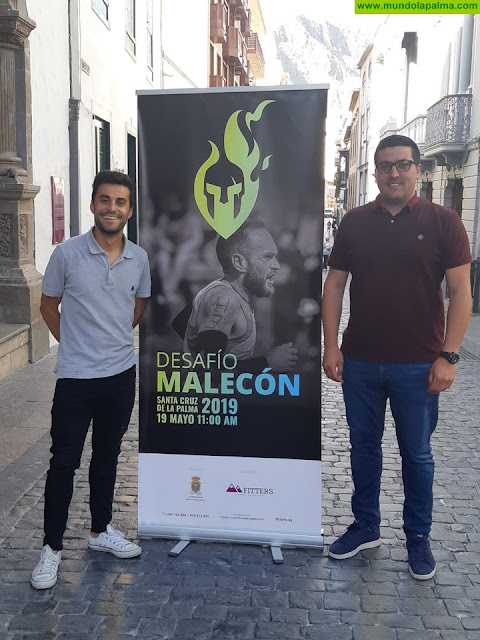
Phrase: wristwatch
[450,356]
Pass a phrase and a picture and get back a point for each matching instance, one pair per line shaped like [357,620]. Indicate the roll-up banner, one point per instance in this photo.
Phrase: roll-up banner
[231,194]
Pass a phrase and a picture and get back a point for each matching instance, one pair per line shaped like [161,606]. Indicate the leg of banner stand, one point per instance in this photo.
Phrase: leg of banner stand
[178,548]
[277,554]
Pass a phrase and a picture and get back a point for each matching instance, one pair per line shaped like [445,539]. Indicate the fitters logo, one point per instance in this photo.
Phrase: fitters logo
[250,491]
[233,489]
[243,153]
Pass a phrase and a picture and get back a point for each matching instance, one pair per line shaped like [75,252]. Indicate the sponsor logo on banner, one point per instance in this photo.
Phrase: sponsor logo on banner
[196,489]
[195,484]
[233,489]
[250,491]
[229,216]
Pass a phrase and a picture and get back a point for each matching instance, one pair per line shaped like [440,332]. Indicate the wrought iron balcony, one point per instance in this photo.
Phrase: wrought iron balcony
[448,129]
[255,56]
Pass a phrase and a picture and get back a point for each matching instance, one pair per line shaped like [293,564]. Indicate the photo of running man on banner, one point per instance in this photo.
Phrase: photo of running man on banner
[222,316]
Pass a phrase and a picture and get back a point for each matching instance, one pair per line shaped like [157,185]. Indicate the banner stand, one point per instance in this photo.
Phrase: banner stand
[277,555]
[231,194]
[178,548]
[183,544]
[276,551]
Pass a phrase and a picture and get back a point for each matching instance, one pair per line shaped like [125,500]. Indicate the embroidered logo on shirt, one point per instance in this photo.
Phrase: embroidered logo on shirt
[420,237]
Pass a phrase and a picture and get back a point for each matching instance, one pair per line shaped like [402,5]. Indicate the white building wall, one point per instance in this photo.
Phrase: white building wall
[185,41]
[109,90]
[472,171]
[426,75]
[469,170]
[106,88]
[50,76]
[387,86]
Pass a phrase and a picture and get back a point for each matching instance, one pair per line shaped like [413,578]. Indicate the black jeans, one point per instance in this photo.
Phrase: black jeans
[109,403]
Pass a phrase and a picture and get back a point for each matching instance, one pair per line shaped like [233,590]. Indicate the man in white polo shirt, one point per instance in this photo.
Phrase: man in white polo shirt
[102,281]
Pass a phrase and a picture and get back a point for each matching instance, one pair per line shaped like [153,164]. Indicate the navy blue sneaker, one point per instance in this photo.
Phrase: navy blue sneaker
[358,536]
[421,562]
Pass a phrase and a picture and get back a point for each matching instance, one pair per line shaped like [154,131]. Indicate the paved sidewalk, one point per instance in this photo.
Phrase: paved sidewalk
[235,591]
[471,342]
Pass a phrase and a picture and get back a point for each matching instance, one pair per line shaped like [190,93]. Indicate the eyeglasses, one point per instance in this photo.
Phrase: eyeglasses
[401,165]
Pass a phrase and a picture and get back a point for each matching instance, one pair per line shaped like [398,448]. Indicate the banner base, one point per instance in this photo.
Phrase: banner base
[187,534]
[277,555]
[178,548]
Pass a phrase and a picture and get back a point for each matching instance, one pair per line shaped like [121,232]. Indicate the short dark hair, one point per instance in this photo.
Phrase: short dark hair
[112,177]
[397,141]
[238,242]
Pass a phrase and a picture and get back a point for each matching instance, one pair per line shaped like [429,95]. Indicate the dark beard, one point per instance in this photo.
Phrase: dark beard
[256,284]
[107,231]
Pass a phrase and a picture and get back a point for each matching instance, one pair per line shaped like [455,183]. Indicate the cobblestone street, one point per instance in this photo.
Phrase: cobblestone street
[235,591]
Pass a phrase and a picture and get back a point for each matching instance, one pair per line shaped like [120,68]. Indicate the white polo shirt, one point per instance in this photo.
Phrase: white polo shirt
[98,301]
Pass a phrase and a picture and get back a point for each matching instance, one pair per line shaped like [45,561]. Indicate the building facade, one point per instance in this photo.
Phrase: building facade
[70,72]
[452,132]
[84,106]
[346,161]
[236,57]
[436,102]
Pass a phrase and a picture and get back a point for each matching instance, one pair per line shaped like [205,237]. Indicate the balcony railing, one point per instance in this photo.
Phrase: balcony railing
[448,126]
[236,48]
[218,22]
[389,129]
[415,129]
[245,77]
[240,5]
[255,56]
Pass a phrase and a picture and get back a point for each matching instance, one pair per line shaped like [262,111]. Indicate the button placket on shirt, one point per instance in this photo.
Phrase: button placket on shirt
[109,282]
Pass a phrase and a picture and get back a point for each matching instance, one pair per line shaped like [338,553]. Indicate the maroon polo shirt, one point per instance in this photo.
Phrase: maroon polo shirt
[397,264]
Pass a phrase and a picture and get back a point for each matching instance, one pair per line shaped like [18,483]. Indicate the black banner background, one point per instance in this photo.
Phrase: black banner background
[174,130]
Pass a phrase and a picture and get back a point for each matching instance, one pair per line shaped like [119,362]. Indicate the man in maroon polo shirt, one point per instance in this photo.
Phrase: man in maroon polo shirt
[396,346]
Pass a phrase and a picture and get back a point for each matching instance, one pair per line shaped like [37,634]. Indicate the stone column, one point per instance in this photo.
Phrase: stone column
[20,282]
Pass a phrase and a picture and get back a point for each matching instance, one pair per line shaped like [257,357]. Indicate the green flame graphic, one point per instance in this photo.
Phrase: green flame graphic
[237,152]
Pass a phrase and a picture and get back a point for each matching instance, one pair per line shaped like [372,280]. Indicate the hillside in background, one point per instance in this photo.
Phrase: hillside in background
[314,52]
[320,52]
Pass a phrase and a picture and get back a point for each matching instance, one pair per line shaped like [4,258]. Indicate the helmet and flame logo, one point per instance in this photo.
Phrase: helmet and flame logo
[241,195]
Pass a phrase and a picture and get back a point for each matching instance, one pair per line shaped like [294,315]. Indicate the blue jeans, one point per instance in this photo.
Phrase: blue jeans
[108,402]
[366,387]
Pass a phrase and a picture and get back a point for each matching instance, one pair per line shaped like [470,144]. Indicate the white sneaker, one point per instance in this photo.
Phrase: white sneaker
[44,575]
[114,542]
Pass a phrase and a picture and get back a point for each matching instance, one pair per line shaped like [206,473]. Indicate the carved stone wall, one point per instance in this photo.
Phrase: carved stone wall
[20,282]
[7,98]
[6,242]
